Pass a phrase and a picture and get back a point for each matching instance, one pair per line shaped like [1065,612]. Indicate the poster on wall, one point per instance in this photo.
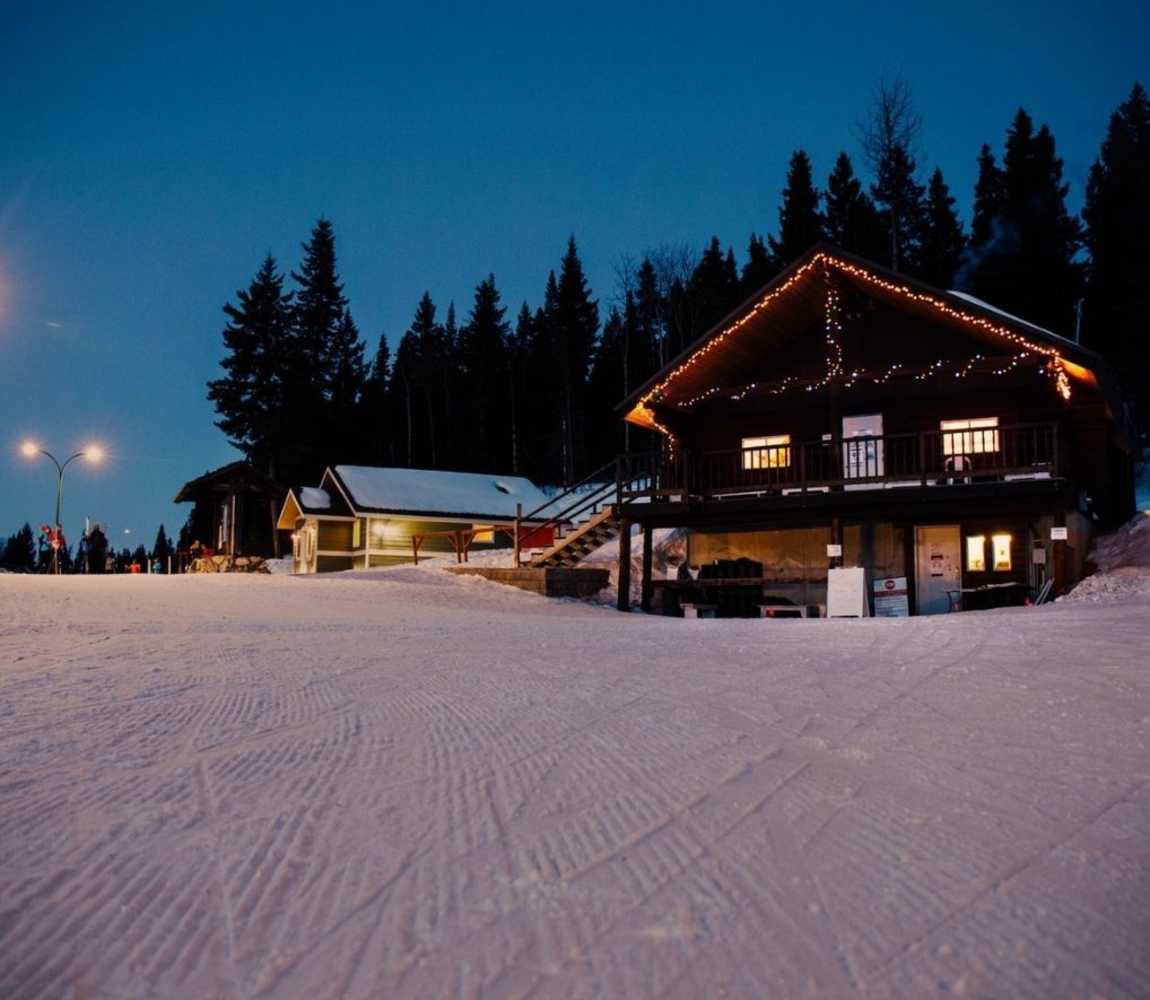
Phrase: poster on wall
[890,598]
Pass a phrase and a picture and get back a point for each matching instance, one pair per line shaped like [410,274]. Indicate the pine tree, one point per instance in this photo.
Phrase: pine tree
[319,335]
[405,395]
[899,198]
[759,267]
[1028,266]
[20,551]
[604,435]
[377,445]
[941,239]
[519,380]
[576,323]
[1117,235]
[484,366]
[319,307]
[800,222]
[850,219]
[713,288]
[425,382]
[349,373]
[988,200]
[161,549]
[250,396]
[649,316]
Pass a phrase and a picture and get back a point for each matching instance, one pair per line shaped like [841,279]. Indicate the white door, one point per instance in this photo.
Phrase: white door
[862,459]
[938,567]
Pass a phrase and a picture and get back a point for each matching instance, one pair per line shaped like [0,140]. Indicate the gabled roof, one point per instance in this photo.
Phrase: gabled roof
[428,492]
[235,477]
[795,301]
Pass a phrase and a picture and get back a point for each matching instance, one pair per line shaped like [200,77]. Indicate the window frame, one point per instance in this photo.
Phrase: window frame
[968,553]
[775,448]
[970,436]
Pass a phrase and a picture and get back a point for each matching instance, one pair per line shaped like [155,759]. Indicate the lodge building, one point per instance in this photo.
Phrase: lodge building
[847,415]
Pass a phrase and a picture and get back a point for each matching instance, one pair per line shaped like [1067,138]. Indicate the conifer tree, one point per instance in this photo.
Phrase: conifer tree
[800,222]
[428,357]
[1117,235]
[1028,266]
[941,239]
[349,375]
[899,198]
[759,267]
[377,446]
[988,199]
[522,399]
[161,549]
[850,219]
[483,359]
[713,287]
[319,306]
[405,398]
[604,390]
[250,396]
[649,316]
[576,323]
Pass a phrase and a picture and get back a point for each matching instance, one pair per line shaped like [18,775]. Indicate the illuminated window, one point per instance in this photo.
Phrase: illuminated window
[975,553]
[484,536]
[969,437]
[1001,547]
[772,452]
[356,533]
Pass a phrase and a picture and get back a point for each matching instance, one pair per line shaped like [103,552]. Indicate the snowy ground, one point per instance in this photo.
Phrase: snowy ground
[407,784]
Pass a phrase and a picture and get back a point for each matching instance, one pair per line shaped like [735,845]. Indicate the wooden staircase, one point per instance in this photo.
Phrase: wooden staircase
[574,541]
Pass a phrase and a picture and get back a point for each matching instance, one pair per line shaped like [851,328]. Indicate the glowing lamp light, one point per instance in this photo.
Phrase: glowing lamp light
[30,449]
[94,453]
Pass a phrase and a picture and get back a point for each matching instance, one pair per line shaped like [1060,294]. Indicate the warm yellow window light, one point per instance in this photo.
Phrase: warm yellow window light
[1001,547]
[975,553]
[770,452]
[969,437]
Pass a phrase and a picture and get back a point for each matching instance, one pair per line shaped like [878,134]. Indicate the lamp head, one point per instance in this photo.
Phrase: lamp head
[30,449]
[94,453]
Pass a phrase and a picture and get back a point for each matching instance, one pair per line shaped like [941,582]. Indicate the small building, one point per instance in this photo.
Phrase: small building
[848,416]
[235,510]
[361,516]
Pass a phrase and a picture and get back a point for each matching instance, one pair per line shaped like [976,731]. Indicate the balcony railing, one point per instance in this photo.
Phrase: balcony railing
[928,458]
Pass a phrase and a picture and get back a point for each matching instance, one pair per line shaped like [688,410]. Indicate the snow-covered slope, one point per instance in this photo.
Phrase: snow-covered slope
[407,784]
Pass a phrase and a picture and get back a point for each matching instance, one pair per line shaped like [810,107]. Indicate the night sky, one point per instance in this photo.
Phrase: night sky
[148,161]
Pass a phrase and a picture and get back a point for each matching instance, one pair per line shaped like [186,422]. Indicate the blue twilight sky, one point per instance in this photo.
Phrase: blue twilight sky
[150,158]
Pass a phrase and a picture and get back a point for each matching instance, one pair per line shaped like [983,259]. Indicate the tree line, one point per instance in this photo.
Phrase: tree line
[26,551]
[535,395]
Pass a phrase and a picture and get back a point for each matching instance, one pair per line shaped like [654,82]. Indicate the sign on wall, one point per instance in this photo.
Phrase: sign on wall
[834,551]
[890,598]
[1059,534]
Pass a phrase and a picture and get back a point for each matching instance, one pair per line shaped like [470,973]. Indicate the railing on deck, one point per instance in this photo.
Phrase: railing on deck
[928,458]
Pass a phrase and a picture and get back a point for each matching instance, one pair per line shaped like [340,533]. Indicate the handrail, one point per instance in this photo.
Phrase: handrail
[955,455]
[588,498]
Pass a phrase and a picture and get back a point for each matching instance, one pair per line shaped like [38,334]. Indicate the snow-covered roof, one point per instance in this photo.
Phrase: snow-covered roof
[314,498]
[427,491]
[1009,316]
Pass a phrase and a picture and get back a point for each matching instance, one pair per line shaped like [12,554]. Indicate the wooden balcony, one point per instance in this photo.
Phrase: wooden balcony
[890,461]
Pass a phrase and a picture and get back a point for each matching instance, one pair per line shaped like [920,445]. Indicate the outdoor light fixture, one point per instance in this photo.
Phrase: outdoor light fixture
[30,449]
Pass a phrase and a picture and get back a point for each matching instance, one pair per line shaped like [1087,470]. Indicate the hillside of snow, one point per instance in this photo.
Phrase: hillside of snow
[404,783]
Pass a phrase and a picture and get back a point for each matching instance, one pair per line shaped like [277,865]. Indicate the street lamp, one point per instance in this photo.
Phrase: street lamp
[93,453]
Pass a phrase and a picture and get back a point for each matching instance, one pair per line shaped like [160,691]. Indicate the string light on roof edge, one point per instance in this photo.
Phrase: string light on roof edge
[834,327]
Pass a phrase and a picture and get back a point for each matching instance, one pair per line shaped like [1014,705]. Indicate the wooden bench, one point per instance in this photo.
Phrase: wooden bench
[693,610]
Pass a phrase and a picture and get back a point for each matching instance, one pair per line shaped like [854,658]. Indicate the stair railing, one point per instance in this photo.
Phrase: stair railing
[580,502]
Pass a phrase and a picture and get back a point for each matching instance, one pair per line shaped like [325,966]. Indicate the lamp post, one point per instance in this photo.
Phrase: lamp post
[93,453]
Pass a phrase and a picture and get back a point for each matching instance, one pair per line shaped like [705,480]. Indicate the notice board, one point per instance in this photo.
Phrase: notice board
[890,598]
[846,593]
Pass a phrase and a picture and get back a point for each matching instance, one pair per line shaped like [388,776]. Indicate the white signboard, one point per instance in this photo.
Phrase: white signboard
[834,551]
[846,593]
[1058,534]
[890,598]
